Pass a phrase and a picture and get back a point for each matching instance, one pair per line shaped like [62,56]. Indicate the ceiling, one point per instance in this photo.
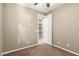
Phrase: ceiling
[41,7]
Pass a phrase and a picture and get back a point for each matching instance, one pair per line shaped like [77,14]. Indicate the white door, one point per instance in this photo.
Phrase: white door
[47,29]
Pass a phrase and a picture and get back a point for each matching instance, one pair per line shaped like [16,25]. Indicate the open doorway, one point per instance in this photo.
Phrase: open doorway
[45,29]
[40,31]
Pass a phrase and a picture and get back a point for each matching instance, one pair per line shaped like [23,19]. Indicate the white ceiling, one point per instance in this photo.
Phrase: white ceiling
[42,6]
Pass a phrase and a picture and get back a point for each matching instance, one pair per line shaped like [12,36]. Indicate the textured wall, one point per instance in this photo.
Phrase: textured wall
[19,27]
[27,26]
[66,27]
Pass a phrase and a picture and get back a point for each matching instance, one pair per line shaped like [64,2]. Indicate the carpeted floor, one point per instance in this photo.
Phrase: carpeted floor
[41,50]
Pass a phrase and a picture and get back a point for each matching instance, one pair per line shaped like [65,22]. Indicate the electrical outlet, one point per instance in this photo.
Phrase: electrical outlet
[59,42]
[67,45]
[27,42]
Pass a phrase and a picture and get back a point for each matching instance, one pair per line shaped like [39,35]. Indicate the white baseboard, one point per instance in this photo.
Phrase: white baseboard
[65,49]
[18,49]
[36,45]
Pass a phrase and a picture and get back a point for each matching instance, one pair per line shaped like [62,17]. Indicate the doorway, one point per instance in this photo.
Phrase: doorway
[40,30]
[45,29]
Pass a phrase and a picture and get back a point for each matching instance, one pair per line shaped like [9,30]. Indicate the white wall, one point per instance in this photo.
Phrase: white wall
[47,29]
